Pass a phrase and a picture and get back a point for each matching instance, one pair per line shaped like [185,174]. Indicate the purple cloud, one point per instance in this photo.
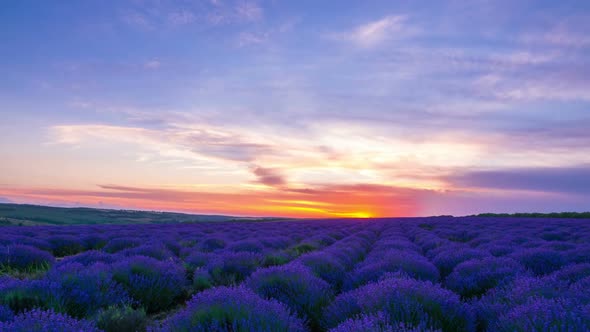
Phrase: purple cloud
[268,176]
[566,180]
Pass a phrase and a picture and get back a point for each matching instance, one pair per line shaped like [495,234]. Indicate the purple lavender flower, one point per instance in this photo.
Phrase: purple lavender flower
[65,245]
[38,320]
[573,273]
[579,255]
[412,264]
[580,290]
[539,314]
[379,322]
[540,261]
[121,243]
[201,280]
[155,284]
[23,295]
[197,259]
[212,244]
[231,268]
[394,243]
[403,300]
[500,300]
[475,277]
[233,309]
[246,246]
[154,250]
[276,242]
[296,286]
[325,266]
[90,257]
[448,259]
[279,257]
[24,258]
[81,291]
[94,241]
[6,314]
[41,244]
[497,249]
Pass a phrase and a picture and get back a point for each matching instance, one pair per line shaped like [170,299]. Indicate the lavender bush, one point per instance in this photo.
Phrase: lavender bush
[233,267]
[65,245]
[539,314]
[403,300]
[410,263]
[448,259]
[475,277]
[81,291]
[294,285]
[540,261]
[38,320]
[24,258]
[379,322]
[6,314]
[155,284]
[233,309]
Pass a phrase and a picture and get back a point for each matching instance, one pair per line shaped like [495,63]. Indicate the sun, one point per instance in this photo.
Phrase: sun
[361,214]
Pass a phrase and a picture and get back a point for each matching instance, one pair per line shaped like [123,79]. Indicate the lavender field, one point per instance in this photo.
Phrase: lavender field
[417,274]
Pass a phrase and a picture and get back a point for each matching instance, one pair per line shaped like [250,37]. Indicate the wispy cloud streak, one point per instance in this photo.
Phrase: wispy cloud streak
[373,33]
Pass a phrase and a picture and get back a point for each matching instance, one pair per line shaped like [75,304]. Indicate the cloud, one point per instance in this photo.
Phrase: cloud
[520,77]
[542,89]
[234,150]
[240,11]
[562,38]
[152,64]
[124,188]
[80,104]
[5,200]
[565,180]
[171,141]
[152,15]
[269,177]
[570,33]
[251,38]
[223,144]
[376,32]
[248,11]
[570,135]
[264,36]
[137,19]
[181,17]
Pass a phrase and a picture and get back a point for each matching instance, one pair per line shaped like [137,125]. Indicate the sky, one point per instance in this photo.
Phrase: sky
[296,108]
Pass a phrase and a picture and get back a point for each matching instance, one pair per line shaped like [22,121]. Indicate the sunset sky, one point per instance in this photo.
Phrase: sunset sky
[297,108]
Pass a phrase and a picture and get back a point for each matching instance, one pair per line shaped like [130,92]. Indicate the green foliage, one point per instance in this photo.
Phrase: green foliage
[201,280]
[122,319]
[274,259]
[30,272]
[426,226]
[302,248]
[21,299]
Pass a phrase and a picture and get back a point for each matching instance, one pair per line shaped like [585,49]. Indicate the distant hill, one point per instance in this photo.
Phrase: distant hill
[572,215]
[24,214]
